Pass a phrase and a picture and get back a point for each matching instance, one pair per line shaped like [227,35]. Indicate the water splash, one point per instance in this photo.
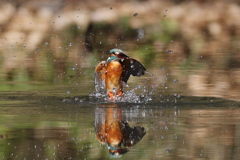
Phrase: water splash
[128,96]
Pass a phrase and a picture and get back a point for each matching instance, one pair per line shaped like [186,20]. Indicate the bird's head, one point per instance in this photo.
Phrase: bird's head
[117,151]
[117,53]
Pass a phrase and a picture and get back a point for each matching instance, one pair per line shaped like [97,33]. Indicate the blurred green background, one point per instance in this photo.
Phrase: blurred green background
[58,43]
[49,49]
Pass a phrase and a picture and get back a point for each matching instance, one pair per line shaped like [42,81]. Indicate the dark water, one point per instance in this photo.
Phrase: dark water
[36,126]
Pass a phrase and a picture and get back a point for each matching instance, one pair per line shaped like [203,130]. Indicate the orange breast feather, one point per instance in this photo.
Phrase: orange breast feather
[113,76]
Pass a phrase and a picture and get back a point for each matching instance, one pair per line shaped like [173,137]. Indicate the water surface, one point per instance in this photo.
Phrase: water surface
[57,127]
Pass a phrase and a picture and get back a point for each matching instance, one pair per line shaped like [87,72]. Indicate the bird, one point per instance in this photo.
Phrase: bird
[114,131]
[111,75]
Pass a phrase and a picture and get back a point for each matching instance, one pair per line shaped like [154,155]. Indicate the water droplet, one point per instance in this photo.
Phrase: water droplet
[175,81]
[135,14]
[46,43]
[68,91]
[114,90]
[24,45]
[78,27]
[164,15]
[169,51]
[171,41]
[58,16]
[111,8]
[143,114]
[70,44]
[138,86]
[140,33]
[166,10]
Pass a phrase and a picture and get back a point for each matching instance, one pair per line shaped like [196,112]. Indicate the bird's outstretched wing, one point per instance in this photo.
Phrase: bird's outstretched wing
[100,77]
[131,67]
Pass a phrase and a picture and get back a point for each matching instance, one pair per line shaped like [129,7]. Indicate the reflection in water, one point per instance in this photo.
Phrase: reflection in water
[113,131]
[206,129]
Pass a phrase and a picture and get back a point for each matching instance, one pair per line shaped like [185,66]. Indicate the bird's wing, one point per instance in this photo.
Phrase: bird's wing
[132,135]
[99,79]
[131,67]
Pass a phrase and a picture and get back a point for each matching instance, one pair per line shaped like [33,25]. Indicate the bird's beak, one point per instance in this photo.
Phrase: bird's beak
[122,55]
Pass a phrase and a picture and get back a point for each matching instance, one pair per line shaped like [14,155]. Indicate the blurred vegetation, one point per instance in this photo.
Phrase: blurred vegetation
[57,43]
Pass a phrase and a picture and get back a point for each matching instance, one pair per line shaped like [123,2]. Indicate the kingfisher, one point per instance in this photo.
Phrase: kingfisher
[113,130]
[113,74]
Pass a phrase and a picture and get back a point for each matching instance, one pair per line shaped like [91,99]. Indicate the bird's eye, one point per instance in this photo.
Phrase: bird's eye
[113,52]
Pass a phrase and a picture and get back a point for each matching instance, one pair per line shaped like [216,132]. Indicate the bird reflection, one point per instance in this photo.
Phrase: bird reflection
[112,130]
